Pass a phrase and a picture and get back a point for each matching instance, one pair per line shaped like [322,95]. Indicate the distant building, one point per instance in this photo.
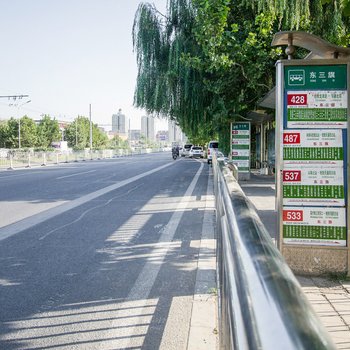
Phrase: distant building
[147,128]
[119,124]
[175,133]
[135,135]
[162,136]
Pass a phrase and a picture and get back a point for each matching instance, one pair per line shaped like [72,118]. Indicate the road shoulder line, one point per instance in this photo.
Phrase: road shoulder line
[203,333]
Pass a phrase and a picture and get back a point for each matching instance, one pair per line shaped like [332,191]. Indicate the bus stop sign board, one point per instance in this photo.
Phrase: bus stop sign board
[312,174]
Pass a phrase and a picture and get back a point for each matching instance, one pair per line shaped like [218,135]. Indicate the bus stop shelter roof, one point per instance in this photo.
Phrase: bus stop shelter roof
[259,117]
[319,49]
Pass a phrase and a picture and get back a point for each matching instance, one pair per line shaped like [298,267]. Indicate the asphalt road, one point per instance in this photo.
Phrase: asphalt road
[100,255]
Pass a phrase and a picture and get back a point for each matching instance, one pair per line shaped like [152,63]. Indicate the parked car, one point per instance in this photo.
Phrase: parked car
[212,147]
[196,152]
[186,150]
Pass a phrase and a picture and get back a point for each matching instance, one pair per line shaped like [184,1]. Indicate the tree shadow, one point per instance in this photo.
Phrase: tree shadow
[75,287]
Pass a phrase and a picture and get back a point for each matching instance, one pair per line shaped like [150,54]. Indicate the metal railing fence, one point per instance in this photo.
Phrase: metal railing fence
[261,304]
[11,159]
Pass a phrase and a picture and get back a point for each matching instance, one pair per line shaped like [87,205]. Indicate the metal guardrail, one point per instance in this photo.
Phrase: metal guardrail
[261,304]
[11,159]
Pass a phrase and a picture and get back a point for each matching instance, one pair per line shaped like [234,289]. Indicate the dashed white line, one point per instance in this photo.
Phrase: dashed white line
[75,174]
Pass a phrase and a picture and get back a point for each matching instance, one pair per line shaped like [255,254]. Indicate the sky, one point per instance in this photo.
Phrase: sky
[68,54]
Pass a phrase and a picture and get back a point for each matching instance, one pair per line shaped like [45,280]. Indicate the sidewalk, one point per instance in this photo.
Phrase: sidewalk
[329,298]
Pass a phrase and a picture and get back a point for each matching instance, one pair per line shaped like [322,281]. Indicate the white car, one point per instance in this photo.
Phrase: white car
[212,147]
[186,150]
[196,152]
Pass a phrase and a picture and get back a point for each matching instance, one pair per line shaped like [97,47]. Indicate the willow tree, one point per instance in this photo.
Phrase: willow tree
[326,18]
[167,83]
[208,62]
[235,40]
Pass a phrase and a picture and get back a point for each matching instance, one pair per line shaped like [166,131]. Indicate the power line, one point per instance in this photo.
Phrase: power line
[14,97]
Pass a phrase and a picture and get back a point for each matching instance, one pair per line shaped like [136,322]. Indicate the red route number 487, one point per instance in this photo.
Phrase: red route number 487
[291,137]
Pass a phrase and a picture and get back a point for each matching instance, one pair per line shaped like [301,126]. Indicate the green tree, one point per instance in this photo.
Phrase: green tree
[48,131]
[118,142]
[4,131]
[78,134]
[28,132]
[206,63]
[165,85]
[99,138]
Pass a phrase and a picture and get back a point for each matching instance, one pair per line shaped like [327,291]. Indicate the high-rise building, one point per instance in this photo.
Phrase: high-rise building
[175,133]
[147,128]
[119,124]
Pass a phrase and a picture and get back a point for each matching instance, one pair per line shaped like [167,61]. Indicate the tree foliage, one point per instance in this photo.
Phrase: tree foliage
[48,131]
[78,134]
[206,63]
[28,132]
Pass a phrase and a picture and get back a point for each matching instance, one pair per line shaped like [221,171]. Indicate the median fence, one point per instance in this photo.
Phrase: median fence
[11,159]
[261,305]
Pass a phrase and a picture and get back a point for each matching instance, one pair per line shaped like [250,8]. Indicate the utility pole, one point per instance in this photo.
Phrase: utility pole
[90,130]
[76,132]
[19,124]
[14,97]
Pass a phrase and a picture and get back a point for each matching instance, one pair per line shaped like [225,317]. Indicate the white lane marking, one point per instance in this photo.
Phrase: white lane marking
[31,221]
[146,279]
[24,174]
[76,174]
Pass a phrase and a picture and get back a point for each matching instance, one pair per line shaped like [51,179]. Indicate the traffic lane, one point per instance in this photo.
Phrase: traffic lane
[173,289]
[92,223]
[26,223]
[86,270]
[38,191]
[69,182]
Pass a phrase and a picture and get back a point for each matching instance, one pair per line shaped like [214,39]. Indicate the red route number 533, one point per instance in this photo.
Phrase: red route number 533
[292,215]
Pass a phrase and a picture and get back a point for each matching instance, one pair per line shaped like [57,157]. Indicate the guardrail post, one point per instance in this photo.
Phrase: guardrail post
[44,159]
[28,166]
[11,162]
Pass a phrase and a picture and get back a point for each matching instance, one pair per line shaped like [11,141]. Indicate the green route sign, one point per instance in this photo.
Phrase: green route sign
[321,109]
[316,96]
[240,145]
[323,146]
[315,77]
[314,225]
[313,186]
[312,142]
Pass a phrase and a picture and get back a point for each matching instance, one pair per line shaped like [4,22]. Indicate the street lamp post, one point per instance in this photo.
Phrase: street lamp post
[19,124]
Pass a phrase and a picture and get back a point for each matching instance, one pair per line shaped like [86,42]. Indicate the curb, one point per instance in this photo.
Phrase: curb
[203,334]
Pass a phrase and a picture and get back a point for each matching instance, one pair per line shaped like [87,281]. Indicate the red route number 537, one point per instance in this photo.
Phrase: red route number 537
[291,175]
